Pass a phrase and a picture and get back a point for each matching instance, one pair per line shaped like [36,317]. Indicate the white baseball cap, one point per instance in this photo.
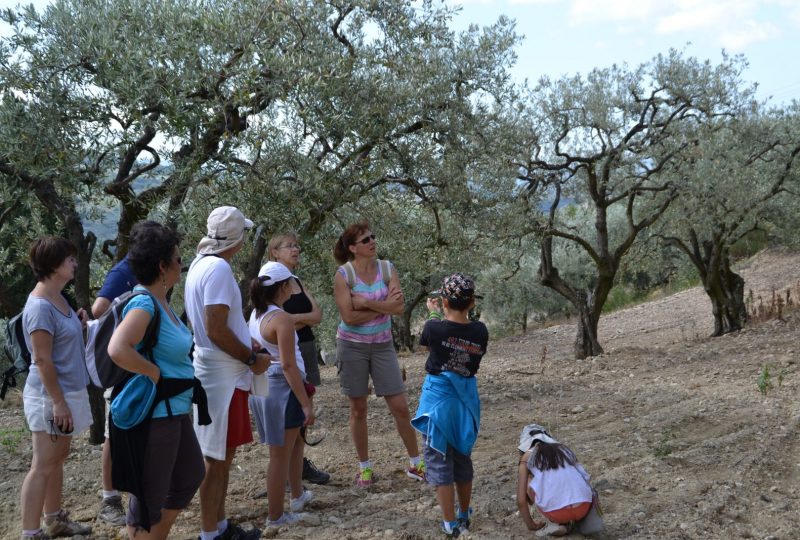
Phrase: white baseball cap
[274,272]
[531,433]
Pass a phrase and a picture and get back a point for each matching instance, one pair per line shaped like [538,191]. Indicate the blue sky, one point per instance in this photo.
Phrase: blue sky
[574,36]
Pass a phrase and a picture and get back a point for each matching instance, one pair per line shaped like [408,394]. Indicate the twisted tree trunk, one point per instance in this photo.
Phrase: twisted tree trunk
[724,287]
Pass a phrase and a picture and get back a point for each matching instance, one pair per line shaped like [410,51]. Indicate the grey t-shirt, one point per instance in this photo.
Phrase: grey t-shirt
[68,347]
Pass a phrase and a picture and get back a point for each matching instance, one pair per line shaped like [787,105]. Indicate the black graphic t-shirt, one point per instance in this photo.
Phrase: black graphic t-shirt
[454,346]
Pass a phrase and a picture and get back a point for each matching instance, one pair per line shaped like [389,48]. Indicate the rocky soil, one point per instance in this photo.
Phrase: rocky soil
[671,424]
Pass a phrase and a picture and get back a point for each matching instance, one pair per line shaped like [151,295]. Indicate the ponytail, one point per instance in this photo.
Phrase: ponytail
[263,295]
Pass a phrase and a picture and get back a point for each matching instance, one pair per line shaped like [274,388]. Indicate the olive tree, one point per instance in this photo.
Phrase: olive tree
[291,109]
[613,139]
[737,173]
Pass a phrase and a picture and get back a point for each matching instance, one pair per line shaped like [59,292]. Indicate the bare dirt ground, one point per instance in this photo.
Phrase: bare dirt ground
[671,425]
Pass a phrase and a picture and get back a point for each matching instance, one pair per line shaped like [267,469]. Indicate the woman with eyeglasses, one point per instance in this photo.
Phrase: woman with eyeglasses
[55,398]
[158,461]
[367,293]
[305,312]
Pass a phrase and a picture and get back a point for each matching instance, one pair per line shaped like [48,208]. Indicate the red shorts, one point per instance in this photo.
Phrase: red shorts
[239,430]
[569,513]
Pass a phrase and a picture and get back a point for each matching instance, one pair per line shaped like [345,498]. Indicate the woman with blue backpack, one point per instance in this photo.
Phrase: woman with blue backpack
[55,398]
[155,453]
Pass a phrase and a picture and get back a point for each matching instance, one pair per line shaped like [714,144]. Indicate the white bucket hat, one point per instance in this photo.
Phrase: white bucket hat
[533,432]
[225,229]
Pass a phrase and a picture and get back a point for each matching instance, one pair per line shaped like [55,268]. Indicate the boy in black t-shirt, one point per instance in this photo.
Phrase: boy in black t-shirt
[449,407]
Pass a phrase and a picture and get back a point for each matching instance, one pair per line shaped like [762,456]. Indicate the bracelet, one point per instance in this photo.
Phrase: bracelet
[434,316]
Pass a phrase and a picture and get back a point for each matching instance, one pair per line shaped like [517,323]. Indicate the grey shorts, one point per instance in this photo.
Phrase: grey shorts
[173,470]
[308,350]
[357,362]
[444,470]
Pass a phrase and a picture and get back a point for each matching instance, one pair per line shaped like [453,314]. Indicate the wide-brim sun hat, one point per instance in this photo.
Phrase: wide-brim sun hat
[225,228]
[531,433]
[132,405]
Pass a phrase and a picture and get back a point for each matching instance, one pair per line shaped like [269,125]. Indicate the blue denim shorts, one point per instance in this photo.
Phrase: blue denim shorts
[444,470]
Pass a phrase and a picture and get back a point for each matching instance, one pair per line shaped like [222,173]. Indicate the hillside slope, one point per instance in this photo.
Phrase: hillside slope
[670,423]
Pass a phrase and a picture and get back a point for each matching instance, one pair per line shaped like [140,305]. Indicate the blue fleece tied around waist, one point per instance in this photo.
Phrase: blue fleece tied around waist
[449,412]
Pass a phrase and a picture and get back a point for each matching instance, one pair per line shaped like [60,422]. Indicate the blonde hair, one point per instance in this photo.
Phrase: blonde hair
[278,239]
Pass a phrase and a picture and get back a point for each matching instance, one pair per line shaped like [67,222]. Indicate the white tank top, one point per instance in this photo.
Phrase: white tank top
[255,332]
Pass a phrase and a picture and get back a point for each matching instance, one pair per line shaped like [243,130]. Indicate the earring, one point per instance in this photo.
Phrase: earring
[164,282]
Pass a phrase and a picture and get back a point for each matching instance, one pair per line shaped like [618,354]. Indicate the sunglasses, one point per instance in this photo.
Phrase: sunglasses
[366,239]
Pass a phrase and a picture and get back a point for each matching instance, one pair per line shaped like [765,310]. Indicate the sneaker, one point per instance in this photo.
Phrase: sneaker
[111,511]
[551,529]
[365,478]
[61,525]
[314,475]
[418,472]
[38,536]
[297,505]
[454,533]
[464,521]
[287,518]
[234,532]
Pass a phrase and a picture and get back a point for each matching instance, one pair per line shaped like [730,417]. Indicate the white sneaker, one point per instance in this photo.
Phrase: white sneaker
[551,529]
[287,518]
[297,505]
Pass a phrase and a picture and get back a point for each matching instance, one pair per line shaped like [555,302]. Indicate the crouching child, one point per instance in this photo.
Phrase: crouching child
[449,412]
[550,478]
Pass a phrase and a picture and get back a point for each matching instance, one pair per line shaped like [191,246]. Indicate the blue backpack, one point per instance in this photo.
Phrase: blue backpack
[16,350]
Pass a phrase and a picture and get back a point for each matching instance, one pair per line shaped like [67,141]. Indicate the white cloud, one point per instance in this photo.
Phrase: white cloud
[737,40]
[693,18]
[732,24]
[457,3]
[594,11]
[794,17]
[533,2]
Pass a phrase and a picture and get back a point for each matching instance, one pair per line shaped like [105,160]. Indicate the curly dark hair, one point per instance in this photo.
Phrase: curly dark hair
[47,254]
[151,244]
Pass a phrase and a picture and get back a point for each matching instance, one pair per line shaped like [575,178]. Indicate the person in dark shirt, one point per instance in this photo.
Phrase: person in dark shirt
[449,408]
[284,247]
[118,281]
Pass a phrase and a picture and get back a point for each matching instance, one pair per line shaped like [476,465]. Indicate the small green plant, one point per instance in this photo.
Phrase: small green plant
[664,446]
[764,381]
[11,438]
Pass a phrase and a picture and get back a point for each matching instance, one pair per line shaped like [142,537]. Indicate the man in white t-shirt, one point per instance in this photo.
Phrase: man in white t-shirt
[224,360]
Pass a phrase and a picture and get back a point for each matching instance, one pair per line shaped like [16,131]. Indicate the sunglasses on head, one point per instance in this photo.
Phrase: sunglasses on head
[366,239]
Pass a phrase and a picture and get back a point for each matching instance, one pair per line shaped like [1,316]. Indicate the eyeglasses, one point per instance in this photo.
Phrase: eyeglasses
[291,246]
[366,239]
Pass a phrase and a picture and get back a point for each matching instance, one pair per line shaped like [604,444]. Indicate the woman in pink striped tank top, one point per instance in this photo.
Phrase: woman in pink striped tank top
[364,348]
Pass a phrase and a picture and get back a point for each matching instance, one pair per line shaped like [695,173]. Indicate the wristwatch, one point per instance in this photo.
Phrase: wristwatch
[251,359]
